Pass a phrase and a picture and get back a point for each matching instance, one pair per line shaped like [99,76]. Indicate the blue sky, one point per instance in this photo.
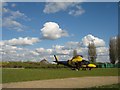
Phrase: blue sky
[99,19]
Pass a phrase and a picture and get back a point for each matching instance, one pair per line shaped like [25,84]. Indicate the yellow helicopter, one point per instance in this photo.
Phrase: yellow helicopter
[76,63]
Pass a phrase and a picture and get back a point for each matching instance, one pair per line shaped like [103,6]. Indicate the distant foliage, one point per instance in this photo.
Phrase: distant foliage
[114,49]
[74,52]
[118,45]
[92,55]
[30,65]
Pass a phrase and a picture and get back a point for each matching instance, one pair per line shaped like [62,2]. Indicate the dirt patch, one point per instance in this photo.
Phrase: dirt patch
[81,82]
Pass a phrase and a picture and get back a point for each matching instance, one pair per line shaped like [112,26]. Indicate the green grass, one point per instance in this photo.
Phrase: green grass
[110,86]
[0,75]
[104,87]
[17,75]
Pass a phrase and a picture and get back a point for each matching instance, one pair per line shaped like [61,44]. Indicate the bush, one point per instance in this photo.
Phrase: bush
[30,65]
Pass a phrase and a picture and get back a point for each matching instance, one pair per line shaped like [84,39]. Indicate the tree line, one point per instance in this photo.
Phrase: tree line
[114,50]
[14,64]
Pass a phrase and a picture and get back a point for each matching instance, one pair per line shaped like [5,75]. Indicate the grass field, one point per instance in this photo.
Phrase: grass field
[109,86]
[104,87]
[18,75]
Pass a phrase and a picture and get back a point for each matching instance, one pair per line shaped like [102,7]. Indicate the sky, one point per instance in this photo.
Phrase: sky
[37,30]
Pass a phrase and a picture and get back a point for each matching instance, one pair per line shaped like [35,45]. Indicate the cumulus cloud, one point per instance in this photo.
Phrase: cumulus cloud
[73,8]
[44,51]
[8,48]
[71,45]
[103,51]
[64,52]
[61,50]
[103,58]
[58,47]
[40,50]
[2,43]
[8,52]
[90,38]
[15,53]
[52,31]
[34,53]
[21,41]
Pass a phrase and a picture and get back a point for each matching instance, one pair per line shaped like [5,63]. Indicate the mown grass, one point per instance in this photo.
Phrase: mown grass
[110,86]
[104,87]
[18,75]
[0,75]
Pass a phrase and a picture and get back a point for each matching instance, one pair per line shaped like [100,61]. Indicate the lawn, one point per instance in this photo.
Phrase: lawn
[110,86]
[17,75]
[104,87]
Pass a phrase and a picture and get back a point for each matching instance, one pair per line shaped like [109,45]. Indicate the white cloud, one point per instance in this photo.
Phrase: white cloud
[34,53]
[73,8]
[65,52]
[13,5]
[13,14]
[52,31]
[14,53]
[58,47]
[44,51]
[22,41]
[103,58]
[65,1]
[2,43]
[71,45]
[12,24]
[53,7]
[62,51]
[49,51]
[79,11]
[9,52]
[89,38]
[10,19]
[8,48]
[103,51]
[103,54]
[40,49]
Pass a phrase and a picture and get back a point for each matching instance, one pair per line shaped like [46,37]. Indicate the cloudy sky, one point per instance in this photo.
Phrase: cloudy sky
[32,31]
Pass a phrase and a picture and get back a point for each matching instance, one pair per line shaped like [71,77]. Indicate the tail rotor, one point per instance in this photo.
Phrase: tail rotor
[56,59]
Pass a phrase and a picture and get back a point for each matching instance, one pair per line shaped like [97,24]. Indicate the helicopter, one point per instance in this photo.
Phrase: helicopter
[76,63]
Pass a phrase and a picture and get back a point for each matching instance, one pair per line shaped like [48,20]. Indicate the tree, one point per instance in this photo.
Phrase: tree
[92,52]
[74,52]
[113,49]
[118,45]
